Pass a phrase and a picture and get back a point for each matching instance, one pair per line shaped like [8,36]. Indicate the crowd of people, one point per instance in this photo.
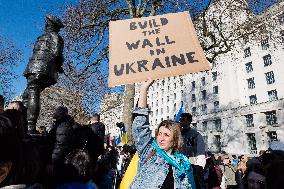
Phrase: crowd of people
[72,155]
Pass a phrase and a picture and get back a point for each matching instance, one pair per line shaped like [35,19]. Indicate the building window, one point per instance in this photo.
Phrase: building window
[175,107]
[249,67]
[246,38]
[272,135]
[264,43]
[168,109]
[262,27]
[272,95]
[192,85]
[168,117]
[193,110]
[204,108]
[251,84]
[203,94]
[215,90]
[157,112]
[249,120]
[247,52]
[217,142]
[271,118]
[168,88]
[217,124]
[181,81]
[214,76]
[203,81]
[267,60]
[193,99]
[216,106]
[181,91]
[204,125]
[281,19]
[282,36]
[162,91]
[175,96]
[157,102]
[252,143]
[270,77]
[252,99]
[168,98]
[175,85]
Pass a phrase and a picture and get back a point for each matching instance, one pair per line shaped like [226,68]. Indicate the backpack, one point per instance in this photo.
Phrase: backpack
[219,173]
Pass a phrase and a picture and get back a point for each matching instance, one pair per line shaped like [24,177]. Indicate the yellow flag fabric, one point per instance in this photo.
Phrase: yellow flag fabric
[123,138]
[123,135]
[130,173]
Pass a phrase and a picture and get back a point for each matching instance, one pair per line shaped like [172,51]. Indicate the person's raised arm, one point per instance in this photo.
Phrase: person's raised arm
[142,102]
[140,126]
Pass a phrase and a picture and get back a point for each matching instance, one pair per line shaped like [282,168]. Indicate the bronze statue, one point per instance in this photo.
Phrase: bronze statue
[43,67]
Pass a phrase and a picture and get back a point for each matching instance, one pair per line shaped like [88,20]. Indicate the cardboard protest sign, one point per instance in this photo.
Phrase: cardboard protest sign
[154,46]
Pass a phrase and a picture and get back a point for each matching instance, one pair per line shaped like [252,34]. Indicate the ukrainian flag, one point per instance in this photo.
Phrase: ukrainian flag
[130,173]
[180,111]
[123,135]
[118,140]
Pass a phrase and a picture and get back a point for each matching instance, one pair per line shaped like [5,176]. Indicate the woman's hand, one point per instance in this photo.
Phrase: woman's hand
[142,103]
[146,84]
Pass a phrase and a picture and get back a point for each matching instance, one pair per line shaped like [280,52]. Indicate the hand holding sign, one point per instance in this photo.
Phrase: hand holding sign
[159,46]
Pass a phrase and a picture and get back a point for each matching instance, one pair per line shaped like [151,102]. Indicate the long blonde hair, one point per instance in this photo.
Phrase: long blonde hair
[242,164]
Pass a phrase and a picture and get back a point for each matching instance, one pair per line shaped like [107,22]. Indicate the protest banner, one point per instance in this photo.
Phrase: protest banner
[155,46]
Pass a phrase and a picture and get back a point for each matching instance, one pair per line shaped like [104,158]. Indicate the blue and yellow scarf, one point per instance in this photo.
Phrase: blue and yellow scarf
[184,166]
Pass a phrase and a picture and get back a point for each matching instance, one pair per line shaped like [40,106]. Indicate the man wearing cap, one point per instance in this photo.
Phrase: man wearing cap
[43,67]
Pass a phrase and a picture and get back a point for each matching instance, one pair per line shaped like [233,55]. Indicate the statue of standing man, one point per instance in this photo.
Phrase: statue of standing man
[43,68]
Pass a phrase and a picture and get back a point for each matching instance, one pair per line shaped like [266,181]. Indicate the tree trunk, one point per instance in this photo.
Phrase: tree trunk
[127,110]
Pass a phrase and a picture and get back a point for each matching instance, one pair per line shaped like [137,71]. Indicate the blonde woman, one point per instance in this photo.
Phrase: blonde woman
[241,168]
[160,164]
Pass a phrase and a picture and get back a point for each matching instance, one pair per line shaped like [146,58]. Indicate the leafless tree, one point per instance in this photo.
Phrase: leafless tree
[9,55]
[86,37]
[55,96]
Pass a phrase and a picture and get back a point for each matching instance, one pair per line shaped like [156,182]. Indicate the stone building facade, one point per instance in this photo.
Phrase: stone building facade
[111,113]
[238,104]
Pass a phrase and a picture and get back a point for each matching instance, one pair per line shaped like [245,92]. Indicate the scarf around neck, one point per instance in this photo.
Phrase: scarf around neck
[184,165]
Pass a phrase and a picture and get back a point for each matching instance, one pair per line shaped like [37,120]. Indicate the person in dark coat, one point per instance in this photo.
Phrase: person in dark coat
[61,134]
[214,174]
[59,143]
[97,126]
[193,148]
[99,130]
